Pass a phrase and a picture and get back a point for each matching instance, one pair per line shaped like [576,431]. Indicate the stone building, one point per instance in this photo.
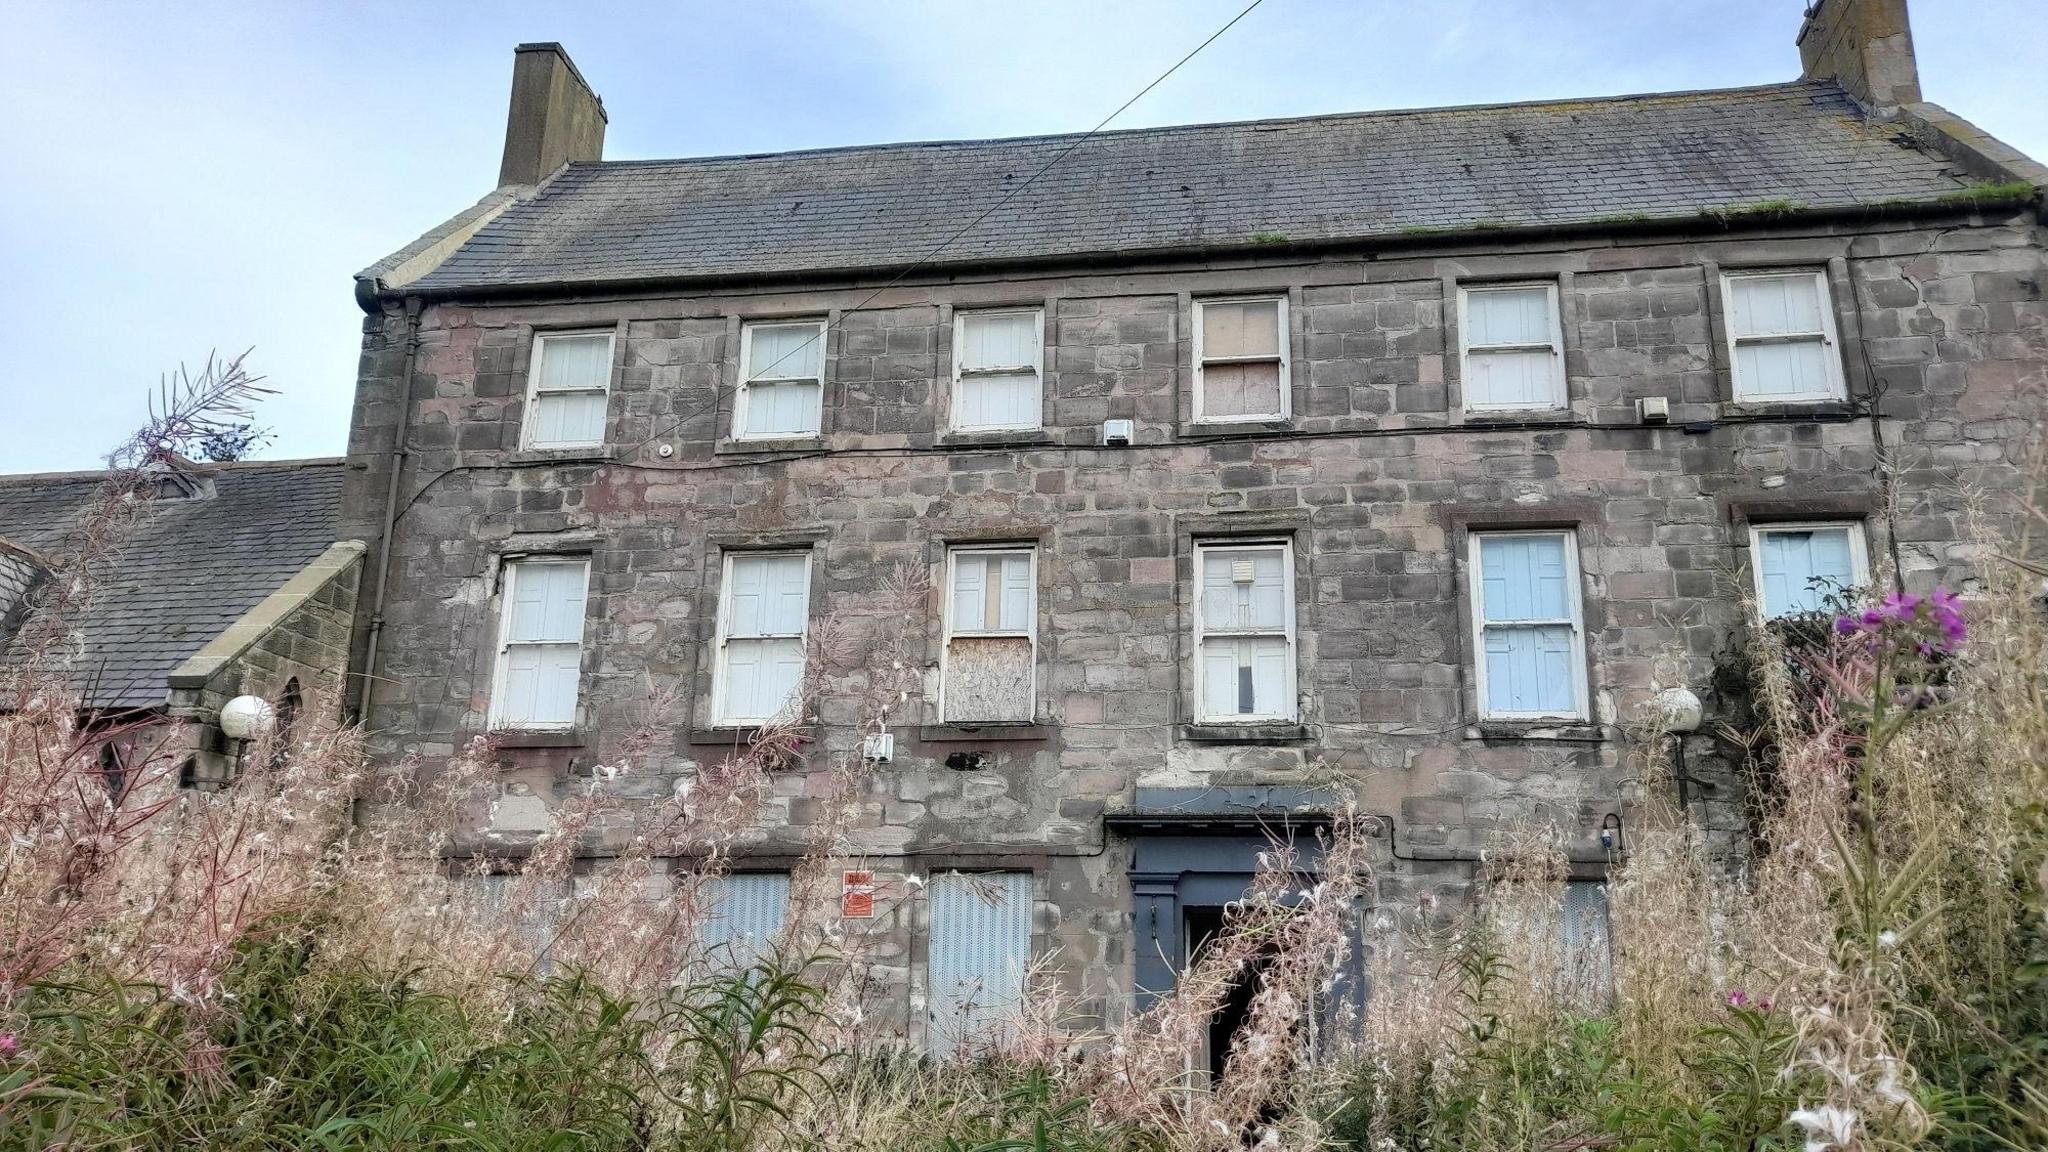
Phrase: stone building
[232,581]
[1397,453]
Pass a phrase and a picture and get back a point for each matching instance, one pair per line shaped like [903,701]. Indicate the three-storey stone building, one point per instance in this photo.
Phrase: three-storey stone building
[1402,453]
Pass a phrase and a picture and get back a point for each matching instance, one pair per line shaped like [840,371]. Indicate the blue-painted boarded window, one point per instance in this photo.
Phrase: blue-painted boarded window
[1529,630]
[742,914]
[1800,566]
[980,948]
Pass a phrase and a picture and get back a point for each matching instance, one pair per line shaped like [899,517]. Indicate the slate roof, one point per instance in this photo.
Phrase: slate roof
[1359,176]
[192,567]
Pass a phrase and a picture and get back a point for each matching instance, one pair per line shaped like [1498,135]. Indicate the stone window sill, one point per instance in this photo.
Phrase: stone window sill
[539,738]
[1557,731]
[1812,409]
[1243,733]
[998,438]
[1211,430]
[1519,416]
[735,736]
[731,447]
[594,454]
[983,733]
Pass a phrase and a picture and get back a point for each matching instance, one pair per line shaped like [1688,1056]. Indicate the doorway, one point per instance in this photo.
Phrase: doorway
[1200,926]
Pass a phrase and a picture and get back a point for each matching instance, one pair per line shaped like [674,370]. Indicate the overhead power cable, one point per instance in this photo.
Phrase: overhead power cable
[971,225]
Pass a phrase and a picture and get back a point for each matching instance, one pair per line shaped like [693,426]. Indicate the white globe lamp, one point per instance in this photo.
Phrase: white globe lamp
[246,717]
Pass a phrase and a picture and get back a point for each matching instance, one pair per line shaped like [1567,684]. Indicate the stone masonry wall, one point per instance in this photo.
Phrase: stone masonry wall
[301,633]
[1376,481]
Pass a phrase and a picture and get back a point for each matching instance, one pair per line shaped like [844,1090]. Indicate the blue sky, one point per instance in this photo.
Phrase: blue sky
[180,178]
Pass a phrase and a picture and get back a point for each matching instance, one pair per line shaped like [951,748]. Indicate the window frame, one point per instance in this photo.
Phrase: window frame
[1559,389]
[495,719]
[1284,337]
[746,383]
[1831,347]
[949,628]
[1475,598]
[723,635]
[962,374]
[1290,631]
[1859,552]
[535,356]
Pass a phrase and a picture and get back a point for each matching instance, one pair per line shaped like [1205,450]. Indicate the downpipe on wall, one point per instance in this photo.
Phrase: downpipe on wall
[397,451]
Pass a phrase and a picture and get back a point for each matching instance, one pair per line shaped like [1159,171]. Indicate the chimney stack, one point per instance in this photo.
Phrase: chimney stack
[555,117]
[1866,46]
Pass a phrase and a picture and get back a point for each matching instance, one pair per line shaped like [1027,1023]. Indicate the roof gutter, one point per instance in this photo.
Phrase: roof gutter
[1965,202]
[397,452]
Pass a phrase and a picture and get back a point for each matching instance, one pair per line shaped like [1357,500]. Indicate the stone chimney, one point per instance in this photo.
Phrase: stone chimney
[1866,46]
[555,117]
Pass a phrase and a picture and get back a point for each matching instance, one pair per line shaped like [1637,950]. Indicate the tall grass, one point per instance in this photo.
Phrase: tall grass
[312,957]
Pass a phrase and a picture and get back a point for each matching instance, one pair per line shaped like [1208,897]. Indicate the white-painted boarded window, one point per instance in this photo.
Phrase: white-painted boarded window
[980,951]
[540,643]
[568,384]
[1244,632]
[1241,360]
[741,915]
[1781,336]
[782,379]
[1798,565]
[1530,643]
[763,613]
[998,360]
[1512,347]
[989,672]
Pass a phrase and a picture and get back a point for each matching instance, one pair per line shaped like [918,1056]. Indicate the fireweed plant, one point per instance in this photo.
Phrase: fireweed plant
[329,954]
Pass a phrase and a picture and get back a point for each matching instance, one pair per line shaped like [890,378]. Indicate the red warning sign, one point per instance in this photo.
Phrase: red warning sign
[857,895]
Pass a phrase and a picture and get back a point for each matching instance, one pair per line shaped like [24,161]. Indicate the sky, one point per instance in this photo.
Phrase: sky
[183,178]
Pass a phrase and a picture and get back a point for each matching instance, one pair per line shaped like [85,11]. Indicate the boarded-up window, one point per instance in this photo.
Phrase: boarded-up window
[1781,336]
[568,381]
[1588,948]
[764,608]
[1530,649]
[530,911]
[1244,633]
[741,915]
[1798,566]
[991,656]
[996,364]
[980,950]
[540,644]
[782,379]
[1241,360]
[1513,347]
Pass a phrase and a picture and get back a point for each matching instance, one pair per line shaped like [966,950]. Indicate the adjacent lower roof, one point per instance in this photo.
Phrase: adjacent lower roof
[1317,179]
[193,565]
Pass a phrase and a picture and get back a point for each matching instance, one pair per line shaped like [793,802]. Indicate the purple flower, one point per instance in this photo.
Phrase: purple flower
[1929,625]
[1738,999]
[9,1045]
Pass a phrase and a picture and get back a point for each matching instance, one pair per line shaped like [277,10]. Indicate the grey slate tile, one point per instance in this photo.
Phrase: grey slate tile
[1364,175]
[192,567]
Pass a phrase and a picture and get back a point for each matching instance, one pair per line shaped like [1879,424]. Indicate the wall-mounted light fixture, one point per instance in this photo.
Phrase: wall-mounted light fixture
[243,719]
[1610,833]
[1678,712]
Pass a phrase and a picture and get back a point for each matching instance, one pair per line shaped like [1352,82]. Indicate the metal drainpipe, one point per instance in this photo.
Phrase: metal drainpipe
[397,453]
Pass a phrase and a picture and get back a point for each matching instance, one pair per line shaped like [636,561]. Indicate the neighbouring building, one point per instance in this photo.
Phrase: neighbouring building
[232,580]
[1405,453]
